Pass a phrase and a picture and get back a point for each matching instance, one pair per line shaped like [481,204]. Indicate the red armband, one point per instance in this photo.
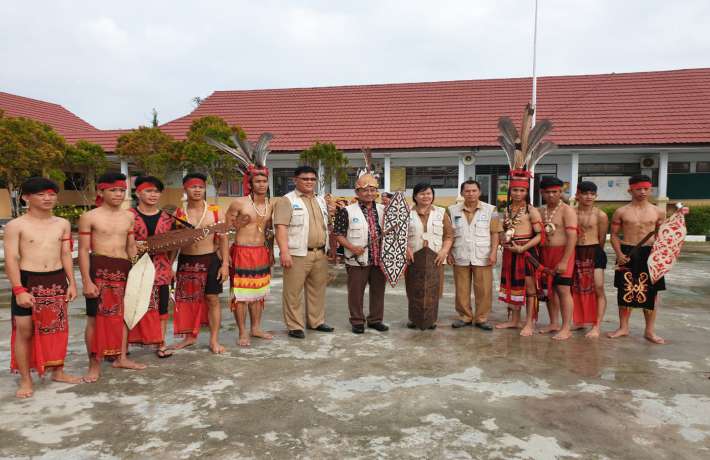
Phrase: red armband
[71,242]
[17,290]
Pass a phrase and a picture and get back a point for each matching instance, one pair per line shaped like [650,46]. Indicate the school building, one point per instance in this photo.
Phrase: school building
[608,127]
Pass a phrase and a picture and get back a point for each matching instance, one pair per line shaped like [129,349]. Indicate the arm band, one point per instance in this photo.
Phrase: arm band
[17,290]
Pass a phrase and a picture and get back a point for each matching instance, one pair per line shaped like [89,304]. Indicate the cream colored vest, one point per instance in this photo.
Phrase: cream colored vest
[359,232]
[299,224]
[434,233]
[472,242]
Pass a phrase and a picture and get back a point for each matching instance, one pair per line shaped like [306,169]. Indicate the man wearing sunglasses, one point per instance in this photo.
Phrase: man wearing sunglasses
[301,222]
[358,228]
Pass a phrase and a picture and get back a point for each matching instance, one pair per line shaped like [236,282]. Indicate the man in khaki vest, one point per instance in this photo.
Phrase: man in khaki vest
[359,230]
[301,222]
[474,253]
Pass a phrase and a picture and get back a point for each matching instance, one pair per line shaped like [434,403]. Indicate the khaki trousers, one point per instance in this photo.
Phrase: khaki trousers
[358,278]
[309,272]
[482,278]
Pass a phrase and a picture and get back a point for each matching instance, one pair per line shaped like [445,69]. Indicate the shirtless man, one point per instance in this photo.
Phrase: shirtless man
[560,227]
[38,263]
[106,247]
[590,261]
[201,270]
[629,225]
[521,234]
[251,257]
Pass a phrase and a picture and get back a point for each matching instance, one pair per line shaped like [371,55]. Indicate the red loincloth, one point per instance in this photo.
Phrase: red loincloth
[551,256]
[190,303]
[50,320]
[514,268]
[149,330]
[251,273]
[110,275]
[583,291]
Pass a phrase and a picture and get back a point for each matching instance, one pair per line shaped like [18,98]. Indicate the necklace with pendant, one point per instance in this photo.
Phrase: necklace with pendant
[260,214]
[510,222]
[549,226]
[204,213]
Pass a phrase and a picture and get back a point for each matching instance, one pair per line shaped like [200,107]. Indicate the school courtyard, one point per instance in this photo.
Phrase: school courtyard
[447,393]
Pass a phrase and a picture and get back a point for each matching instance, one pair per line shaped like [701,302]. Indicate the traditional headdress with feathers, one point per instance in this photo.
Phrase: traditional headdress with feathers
[251,158]
[367,177]
[526,149]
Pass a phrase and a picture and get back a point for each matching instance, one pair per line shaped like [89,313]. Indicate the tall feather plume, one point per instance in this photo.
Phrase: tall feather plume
[261,151]
[508,130]
[540,130]
[245,146]
[243,160]
[509,150]
[543,149]
[525,128]
[367,156]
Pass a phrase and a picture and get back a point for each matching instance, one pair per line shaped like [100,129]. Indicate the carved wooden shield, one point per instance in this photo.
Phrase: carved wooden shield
[423,288]
[393,256]
[669,241]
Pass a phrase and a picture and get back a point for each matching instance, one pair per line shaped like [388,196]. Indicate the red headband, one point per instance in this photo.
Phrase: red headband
[251,172]
[108,185]
[146,185]
[519,183]
[639,185]
[193,182]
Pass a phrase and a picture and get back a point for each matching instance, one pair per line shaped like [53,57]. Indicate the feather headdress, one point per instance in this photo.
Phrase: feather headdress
[525,149]
[251,158]
[367,177]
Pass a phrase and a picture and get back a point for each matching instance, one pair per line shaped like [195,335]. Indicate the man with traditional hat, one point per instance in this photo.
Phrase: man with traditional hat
[559,222]
[251,254]
[151,220]
[202,268]
[635,221]
[301,222]
[38,264]
[474,253]
[358,228]
[106,248]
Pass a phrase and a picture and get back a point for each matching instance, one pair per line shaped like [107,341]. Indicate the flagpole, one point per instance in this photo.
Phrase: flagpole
[534,97]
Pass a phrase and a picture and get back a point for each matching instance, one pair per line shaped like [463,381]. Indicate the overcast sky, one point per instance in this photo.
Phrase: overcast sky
[111,62]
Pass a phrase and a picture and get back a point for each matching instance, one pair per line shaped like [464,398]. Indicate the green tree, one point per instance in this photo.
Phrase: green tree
[333,162]
[150,149]
[154,121]
[197,155]
[28,148]
[87,159]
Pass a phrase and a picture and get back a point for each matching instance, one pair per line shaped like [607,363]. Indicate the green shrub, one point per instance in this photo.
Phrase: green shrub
[609,210]
[71,213]
[698,221]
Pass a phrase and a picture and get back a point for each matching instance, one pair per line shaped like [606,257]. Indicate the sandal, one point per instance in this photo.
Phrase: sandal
[163,353]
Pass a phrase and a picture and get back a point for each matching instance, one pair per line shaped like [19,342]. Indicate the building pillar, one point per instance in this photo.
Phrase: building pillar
[388,177]
[573,177]
[662,199]
[462,171]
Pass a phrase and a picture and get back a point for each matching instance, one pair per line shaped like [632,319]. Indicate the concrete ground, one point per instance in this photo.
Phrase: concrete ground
[402,394]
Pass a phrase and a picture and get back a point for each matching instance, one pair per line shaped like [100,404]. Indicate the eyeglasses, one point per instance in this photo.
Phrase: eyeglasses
[307,179]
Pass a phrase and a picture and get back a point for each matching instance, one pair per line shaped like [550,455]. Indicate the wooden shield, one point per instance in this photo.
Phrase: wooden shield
[423,288]
[666,249]
[393,252]
[139,288]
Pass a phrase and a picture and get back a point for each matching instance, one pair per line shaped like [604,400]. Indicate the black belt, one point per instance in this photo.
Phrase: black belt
[319,248]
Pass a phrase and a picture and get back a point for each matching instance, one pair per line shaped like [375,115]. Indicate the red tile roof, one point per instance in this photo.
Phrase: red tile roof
[667,107]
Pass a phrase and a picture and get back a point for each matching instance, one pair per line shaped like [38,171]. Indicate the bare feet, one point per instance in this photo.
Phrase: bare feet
[216,348]
[243,341]
[508,325]
[186,342]
[562,335]
[550,328]
[527,331]
[60,376]
[125,363]
[25,390]
[653,338]
[593,333]
[262,334]
[94,372]
[618,333]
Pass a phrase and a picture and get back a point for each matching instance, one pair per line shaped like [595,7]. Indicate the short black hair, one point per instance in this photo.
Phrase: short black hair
[196,175]
[38,184]
[587,186]
[303,170]
[151,180]
[636,178]
[550,181]
[111,177]
[469,182]
[422,187]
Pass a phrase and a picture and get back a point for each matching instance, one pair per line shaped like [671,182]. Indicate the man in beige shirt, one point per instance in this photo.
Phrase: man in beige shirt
[300,218]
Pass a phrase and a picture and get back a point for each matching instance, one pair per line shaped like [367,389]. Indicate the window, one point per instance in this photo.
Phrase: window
[74,181]
[702,166]
[609,169]
[230,188]
[676,167]
[283,181]
[438,176]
